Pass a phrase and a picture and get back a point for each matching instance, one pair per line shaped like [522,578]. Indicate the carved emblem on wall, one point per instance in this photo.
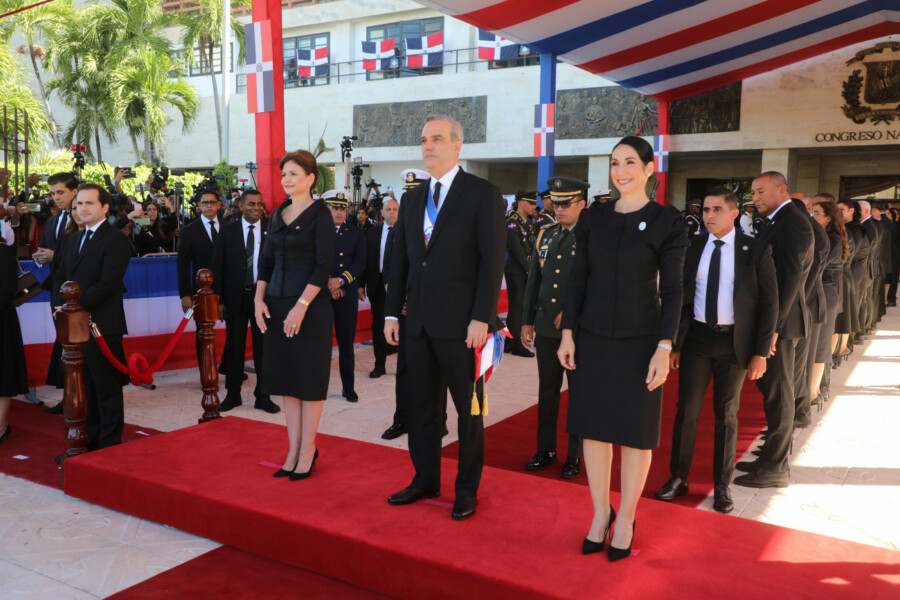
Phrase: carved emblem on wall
[603,112]
[713,111]
[400,123]
[879,85]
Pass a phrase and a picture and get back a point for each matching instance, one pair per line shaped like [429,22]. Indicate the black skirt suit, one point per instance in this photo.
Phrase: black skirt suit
[294,255]
[624,295]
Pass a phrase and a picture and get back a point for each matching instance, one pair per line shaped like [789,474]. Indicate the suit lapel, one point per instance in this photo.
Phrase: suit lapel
[695,251]
[449,206]
[92,244]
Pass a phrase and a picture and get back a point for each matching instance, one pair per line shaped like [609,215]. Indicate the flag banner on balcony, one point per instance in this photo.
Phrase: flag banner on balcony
[259,67]
[425,51]
[661,153]
[377,55]
[312,63]
[494,47]
[543,129]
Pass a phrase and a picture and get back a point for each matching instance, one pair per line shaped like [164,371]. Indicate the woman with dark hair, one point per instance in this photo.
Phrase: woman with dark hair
[154,237]
[126,226]
[859,269]
[828,215]
[13,372]
[295,318]
[624,299]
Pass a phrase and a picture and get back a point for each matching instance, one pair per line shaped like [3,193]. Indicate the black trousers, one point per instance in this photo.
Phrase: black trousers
[103,394]
[515,294]
[376,300]
[345,312]
[892,283]
[804,360]
[401,386]
[777,387]
[865,303]
[433,362]
[706,355]
[236,345]
[550,378]
[876,308]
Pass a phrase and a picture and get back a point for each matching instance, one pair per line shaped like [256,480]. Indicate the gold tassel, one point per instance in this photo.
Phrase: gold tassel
[485,411]
[475,410]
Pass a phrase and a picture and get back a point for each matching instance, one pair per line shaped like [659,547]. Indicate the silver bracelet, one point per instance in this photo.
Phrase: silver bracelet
[665,346]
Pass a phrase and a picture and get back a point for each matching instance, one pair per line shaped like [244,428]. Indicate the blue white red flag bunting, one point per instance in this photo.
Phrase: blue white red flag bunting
[661,153]
[425,51]
[377,55]
[259,67]
[494,47]
[312,63]
[544,116]
[488,355]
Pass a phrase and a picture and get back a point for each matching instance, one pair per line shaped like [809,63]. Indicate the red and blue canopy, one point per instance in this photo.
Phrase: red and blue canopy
[672,49]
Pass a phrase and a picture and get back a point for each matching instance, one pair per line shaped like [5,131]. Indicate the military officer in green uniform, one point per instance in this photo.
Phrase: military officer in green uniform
[519,244]
[554,253]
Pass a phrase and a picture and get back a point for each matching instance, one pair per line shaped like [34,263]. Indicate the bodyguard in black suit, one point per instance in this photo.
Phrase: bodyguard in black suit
[786,228]
[727,324]
[97,259]
[349,262]
[235,267]
[448,261]
[195,251]
[63,187]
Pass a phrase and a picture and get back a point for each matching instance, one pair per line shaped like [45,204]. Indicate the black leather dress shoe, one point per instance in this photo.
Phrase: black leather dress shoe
[522,351]
[377,372]
[394,431]
[463,508]
[673,488]
[265,403]
[748,466]
[541,460]
[408,495]
[230,401]
[763,478]
[350,395]
[722,501]
[572,468]
[56,409]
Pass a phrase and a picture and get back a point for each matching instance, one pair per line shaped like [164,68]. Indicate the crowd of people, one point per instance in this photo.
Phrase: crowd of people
[612,295]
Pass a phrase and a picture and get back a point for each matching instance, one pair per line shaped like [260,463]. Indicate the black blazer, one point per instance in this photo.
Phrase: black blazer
[458,277]
[195,252]
[755,295]
[875,237]
[229,262]
[371,278]
[791,237]
[298,253]
[49,239]
[814,289]
[101,272]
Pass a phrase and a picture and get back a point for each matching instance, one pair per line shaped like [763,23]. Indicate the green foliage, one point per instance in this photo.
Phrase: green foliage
[227,173]
[15,93]
[325,180]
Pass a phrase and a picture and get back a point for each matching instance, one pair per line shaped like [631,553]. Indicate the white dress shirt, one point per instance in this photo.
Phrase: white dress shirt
[726,280]
[446,180]
[257,243]
[7,235]
[206,223]
[93,231]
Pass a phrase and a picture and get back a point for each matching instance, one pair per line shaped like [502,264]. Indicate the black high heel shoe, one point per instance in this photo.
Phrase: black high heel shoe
[6,433]
[615,554]
[298,476]
[285,472]
[589,547]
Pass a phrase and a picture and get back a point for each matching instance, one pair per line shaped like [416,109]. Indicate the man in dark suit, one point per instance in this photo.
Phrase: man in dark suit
[882,218]
[727,324]
[235,265]
[349,262]
[447,260]
[97,259]
[195,251]
[786,228]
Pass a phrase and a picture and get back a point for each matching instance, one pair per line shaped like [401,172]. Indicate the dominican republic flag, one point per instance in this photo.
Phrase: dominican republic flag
[487,356]
[661,153]
[377,55]
[312,63]
[543,129]
[259,69]
[425,51]
[494,47]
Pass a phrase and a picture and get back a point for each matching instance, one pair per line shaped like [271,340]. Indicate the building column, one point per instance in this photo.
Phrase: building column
[270,125]
[548,96]
[598,174]
[783,160]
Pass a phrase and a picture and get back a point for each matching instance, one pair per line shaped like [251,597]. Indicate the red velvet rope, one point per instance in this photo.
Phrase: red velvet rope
[137,364]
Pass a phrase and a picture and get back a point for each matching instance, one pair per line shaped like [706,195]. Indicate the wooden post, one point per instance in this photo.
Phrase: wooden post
[72,331]
[206,310]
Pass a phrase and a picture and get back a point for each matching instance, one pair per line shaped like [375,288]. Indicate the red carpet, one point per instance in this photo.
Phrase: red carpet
[40,438]
[230,573]
[510,443]
[523,543]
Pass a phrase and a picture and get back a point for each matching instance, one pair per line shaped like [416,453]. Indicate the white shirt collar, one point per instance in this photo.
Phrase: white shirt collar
[728,238]
[246,225]
[775,212]
[94,228]
[208,221]
[446,180]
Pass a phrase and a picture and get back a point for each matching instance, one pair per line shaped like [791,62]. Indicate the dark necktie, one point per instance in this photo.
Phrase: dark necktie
[436,198]
[63,219]
[87,240]
[251,247]
[212,230]
[388,247]
[712,285]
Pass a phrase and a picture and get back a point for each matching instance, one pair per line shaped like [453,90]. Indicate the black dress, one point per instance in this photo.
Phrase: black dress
[294,255]
[624,295]
[832,281]
[13,372]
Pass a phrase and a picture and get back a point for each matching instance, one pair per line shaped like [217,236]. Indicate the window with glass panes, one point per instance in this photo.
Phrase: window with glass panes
[201,65]
[303,42]
[400,31]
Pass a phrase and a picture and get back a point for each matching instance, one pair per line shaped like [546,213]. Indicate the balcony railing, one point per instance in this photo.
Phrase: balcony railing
[190,6]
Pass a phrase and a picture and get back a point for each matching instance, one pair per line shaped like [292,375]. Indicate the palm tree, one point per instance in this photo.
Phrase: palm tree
[203,31]
[15,93]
